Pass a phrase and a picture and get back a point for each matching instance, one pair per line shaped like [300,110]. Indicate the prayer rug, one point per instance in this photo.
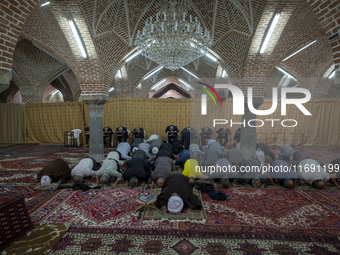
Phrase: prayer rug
[86,240]
[106,207]
[40,240]
[150,213]
[273,208]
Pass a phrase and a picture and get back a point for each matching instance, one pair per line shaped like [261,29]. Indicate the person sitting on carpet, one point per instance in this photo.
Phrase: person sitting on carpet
[137,170]
[311,172]
[55,171]
[110,168]
[283,174]
[163,168]
[85,168]
[177,194]
[124,149]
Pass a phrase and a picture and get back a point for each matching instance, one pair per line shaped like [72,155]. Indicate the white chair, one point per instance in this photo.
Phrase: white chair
[76,135]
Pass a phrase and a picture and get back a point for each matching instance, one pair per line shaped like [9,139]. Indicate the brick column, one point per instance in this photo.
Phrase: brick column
[96,105]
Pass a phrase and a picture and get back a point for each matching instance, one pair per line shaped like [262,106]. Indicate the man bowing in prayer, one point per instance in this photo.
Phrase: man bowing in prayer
[176,195]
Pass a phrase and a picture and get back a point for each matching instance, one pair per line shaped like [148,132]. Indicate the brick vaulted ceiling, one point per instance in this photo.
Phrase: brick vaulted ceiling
[37,45]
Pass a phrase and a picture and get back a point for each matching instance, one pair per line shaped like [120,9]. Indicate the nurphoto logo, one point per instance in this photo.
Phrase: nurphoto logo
[239,103]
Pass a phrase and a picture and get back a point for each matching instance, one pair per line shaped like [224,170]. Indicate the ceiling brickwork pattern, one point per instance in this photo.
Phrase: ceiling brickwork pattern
[109,27]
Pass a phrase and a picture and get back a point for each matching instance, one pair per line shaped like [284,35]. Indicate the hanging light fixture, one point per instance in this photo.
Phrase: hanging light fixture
[173,38]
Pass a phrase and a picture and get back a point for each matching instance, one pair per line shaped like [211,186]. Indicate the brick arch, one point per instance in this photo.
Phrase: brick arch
[328,14]
[14,13]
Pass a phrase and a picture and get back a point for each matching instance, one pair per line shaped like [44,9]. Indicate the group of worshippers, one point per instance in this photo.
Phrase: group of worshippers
[175,165]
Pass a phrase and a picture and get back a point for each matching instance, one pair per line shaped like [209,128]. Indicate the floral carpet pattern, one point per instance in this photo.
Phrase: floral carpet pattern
[103,221]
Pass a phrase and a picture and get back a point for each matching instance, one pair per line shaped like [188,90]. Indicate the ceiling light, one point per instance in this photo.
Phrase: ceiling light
[44,4]
[111,89]
[157,84]
[190,73]
[286,73]
[55,92]
[224,73]
[132,56]
[173,38]
[119,74]
[270,32]
[185,83]
[153,72]
[304,47]
[331,75]
[213,58]
[77,38]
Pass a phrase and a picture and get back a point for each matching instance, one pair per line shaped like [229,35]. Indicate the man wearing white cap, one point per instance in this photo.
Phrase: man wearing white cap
[55,171]
[175,189]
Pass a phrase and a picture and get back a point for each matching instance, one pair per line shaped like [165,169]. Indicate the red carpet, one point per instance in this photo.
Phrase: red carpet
[268,221]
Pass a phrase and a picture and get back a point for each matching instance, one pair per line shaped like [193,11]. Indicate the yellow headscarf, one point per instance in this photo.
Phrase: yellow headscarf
[191,169]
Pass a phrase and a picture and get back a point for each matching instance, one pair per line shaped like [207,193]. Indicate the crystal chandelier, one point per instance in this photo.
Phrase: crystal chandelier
[173,38]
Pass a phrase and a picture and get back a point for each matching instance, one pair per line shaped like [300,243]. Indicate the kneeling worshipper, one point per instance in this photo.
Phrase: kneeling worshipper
[184,156]
[163,168]
[110,168]
[165,150]
[252,174]
[124,149]
[146,148]
[177,194]
[282,174]
[286,152]
[85,168]
[298,156]
[155,144]
[139,154]
[192,170]
[55,171]
[311,172]
[135,143]
[266,150]
[137,170]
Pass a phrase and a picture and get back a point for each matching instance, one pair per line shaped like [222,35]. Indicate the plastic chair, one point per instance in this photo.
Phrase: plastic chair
[76,135]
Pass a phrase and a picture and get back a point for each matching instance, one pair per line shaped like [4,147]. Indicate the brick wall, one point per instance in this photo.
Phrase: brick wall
[13,15]
[328,14]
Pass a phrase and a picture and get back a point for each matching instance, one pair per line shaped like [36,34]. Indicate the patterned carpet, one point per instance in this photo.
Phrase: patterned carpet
[267,221]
